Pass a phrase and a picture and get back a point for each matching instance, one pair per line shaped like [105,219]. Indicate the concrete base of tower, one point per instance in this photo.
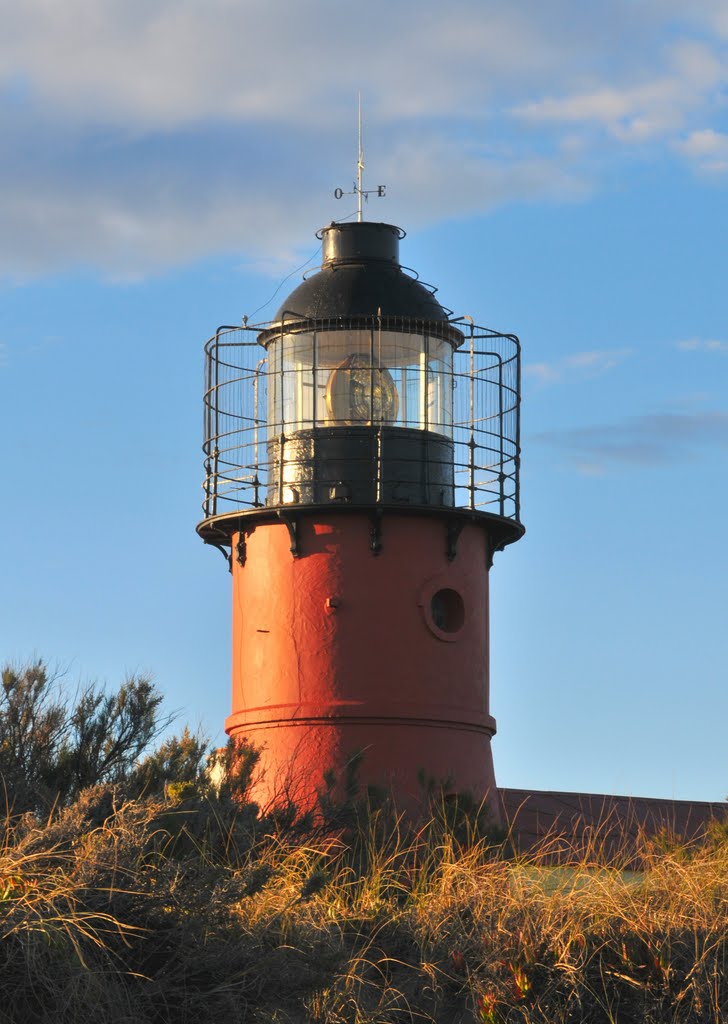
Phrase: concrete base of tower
[350,651]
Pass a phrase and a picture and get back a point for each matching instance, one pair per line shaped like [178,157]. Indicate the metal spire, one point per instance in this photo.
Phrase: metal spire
[358,190]
[359,166]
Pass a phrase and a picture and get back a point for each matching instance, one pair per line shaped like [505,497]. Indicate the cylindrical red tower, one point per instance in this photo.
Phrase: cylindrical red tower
[362,456]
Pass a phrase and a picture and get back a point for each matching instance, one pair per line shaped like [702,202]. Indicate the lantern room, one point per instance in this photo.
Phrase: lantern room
[362,390]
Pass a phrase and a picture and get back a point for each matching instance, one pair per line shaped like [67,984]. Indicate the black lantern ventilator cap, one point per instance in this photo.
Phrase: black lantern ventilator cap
[361,276]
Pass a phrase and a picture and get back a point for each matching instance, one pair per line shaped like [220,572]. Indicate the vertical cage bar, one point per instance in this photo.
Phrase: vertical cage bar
[471,443]
[378,466]
[314,378]
[282,446]
[501,458]
[517,457]
[256,422]
[216,431]
[207,425]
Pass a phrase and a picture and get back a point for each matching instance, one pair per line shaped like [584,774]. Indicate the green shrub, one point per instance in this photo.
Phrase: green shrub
[52,746]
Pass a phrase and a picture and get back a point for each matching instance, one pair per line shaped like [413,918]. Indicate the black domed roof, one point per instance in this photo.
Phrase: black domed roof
[361,276]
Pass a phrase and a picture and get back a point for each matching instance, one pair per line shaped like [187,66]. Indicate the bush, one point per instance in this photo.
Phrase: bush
[176,768]
[52,747]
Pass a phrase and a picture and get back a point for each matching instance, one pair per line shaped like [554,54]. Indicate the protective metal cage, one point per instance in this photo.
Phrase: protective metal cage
[259,454]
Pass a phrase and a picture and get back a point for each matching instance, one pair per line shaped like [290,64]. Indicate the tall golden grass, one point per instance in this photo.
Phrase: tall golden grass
[154,911]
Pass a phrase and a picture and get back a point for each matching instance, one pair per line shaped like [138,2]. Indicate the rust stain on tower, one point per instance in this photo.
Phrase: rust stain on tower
[362,454]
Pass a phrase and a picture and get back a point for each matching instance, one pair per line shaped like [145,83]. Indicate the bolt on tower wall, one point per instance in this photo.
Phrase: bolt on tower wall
[361,457]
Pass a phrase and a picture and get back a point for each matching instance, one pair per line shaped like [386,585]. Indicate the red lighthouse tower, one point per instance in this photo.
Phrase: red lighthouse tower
[362,455]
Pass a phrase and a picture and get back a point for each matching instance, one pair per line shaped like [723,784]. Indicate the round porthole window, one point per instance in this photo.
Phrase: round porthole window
[447,610]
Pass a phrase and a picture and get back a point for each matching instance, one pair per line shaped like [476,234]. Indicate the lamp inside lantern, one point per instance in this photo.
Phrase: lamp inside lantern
[357,392]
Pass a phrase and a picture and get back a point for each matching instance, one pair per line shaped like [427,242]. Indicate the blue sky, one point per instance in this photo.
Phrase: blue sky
[562,172]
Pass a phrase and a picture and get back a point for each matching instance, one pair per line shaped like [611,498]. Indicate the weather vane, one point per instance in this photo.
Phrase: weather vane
[358,190]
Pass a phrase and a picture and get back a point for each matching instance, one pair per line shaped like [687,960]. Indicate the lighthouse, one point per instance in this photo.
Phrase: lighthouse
[361,470]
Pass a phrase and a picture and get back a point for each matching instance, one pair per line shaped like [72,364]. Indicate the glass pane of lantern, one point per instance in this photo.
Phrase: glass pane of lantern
[275,407]
[439,386]
[360,377]
[297,382]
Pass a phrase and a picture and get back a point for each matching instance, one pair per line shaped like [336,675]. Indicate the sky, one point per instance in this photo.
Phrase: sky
[561,171]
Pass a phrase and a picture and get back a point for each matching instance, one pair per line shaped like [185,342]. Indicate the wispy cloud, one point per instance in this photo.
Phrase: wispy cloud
[426,167]
[706,149]
[591,363]
[702,345]
[138,135]
[647,441]
[648,108]
[166,64]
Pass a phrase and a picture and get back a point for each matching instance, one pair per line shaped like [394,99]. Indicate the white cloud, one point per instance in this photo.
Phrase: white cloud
[649,108]
[590,363]
[707,149]
[166,63]
[543,373]
[138,134]
[598,360]
[134,206]
[159,65]
[702,345]
[705,143]
[714,13]
[129,236]
[435,178]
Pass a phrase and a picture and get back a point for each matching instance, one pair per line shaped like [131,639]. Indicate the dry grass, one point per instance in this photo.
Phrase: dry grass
[146,912]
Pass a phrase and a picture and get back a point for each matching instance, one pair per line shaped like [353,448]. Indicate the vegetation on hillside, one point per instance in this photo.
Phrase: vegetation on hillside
[149,896]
